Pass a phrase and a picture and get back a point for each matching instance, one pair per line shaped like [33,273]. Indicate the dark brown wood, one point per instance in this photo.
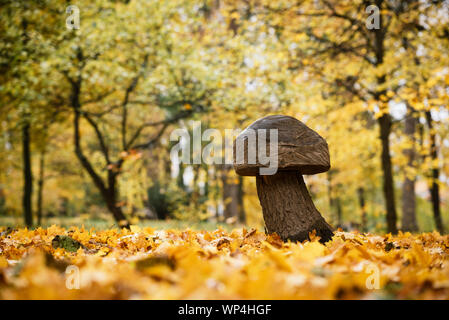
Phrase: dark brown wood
[27,174]
[288,208]
[299,147]
[388,183]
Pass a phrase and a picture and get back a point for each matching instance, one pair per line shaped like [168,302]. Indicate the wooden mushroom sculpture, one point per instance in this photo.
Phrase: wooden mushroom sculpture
[287,206]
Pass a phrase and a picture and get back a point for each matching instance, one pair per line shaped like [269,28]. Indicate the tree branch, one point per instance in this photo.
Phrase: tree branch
[128,91]
[103,146]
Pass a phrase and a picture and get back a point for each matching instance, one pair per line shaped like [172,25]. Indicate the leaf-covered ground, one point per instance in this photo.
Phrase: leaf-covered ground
[242,264]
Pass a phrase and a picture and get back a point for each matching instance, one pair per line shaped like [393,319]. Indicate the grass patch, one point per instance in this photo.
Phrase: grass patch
[103,224]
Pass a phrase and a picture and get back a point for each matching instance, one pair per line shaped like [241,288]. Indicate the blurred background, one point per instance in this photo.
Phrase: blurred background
[90,92]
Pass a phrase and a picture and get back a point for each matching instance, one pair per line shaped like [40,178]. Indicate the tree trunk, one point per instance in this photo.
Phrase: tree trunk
[339,211]
[107,191]
[27,175]
[388,184]
[111,200]
[331,198]
[435,174]
[216,192]
[334,202]
[40,187]
[288,208]
[116,211]
[241,209]
[385,126]
[195,195]
[361,196]
[206,183]
[230,194]
[408,187]
[2,201]
[180,177]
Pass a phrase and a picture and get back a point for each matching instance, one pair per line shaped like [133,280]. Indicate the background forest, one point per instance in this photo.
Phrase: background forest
[87,113]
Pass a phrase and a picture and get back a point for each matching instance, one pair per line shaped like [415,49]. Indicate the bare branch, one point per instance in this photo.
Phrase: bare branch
[128,91]
[99,97]
[165,123]
[103,146]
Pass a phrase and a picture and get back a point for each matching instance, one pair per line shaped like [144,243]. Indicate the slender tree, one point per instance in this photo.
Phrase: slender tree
[435,174]
[409,222]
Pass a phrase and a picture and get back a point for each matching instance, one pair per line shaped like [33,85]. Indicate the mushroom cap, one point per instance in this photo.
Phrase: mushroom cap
[299,147]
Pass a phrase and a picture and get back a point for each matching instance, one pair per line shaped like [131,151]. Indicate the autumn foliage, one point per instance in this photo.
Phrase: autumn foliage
[242,264]
[89,116]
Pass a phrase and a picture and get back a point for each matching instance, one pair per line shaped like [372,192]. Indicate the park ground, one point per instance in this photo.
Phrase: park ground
[173,261]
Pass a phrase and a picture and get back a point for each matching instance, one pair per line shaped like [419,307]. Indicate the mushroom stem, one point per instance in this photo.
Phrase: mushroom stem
[288,208]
